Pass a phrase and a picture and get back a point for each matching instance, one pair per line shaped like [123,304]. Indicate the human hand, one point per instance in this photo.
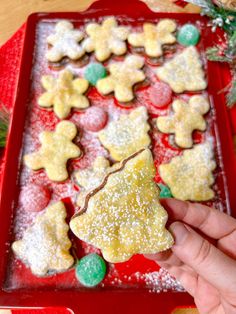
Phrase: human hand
[206,271]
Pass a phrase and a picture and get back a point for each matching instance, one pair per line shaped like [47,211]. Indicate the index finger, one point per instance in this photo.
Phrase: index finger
[210,221]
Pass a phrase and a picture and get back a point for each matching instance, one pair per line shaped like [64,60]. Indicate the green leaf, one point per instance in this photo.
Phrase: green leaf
[213,55]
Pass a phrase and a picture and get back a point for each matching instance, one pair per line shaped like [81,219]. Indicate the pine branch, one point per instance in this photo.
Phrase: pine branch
[4,123]
[213,54]
[231,96]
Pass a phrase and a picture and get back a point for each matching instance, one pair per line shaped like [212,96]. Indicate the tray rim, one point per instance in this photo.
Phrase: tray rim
[22,297]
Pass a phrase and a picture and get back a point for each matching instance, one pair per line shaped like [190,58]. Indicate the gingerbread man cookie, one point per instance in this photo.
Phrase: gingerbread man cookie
[89,179]
[154,37]
[65,42]
[186,118]
[64,93]
[189,176]
[123,76]
[127,135]
[184,72]
[106,39]
[45,245]
[56,149]
[123,216]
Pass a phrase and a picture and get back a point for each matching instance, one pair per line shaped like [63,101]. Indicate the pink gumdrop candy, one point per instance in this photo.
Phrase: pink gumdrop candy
[94,119]
[34,197]
[160,94]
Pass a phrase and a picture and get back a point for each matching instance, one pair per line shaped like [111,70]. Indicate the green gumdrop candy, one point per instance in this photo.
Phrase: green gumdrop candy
[165,191]
[95,72]
[188,35]
[90,270]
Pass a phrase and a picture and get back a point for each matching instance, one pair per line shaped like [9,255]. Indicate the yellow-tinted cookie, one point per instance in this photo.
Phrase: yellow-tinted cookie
[65,42]
[64,93]
[106,39]
[190,176]
[186,118]
[89,179]
[56,149]
[184,72]
[127,135]
[123,76]
[154,37]
[124,216]
[45,245]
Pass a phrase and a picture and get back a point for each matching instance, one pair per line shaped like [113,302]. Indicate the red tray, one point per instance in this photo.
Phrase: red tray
[106,299]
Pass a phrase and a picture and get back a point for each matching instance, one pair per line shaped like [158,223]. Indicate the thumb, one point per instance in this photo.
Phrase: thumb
[209,262]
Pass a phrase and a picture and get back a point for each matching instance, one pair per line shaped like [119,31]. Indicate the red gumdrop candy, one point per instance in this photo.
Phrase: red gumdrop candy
[94,119]
[160,94]
[34,197]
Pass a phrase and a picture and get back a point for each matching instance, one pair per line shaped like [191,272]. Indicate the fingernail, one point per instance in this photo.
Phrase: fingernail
[179,232]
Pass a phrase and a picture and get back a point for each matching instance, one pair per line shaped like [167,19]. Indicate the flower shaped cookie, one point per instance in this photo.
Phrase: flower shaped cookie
[64,93]
[190,176]
[154,37]
[184,72]
[127,135]
[106,39]
[123,216]
[56,149]
[89,179]
[123,76]
[186,118]
[65,42]
[45,245]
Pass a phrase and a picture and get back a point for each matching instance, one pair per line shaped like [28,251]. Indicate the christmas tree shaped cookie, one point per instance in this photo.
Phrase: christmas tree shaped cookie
[56,149]
[154,37]
[190,176]
[123,216]
[184,72]
[186,118]
[106,39]
[65,42]
[64,93]
[123,76]
[45,245]
[89,179]
[127,135]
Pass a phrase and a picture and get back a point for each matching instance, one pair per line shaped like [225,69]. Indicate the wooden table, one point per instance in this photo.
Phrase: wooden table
[13,13]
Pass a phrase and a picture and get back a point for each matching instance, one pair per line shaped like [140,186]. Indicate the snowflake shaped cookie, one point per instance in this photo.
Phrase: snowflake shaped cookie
[64,93]
[45,245]
[123,216]
[56,149]
[127,135]
[184,72]
[89,179]
[106,39]
[123,76]
[189,176]
[65,42]
[186,118]
[154,37]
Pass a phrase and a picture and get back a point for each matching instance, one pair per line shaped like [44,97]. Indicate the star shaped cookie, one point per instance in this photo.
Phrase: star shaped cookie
[64,93]
[123,216]
[184,72]
[65,42]
[90,178]
[123,76]
[56,149]
[127,135]
[186,118]
[189,176]
[45,245]
[154,37]
[106,39]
